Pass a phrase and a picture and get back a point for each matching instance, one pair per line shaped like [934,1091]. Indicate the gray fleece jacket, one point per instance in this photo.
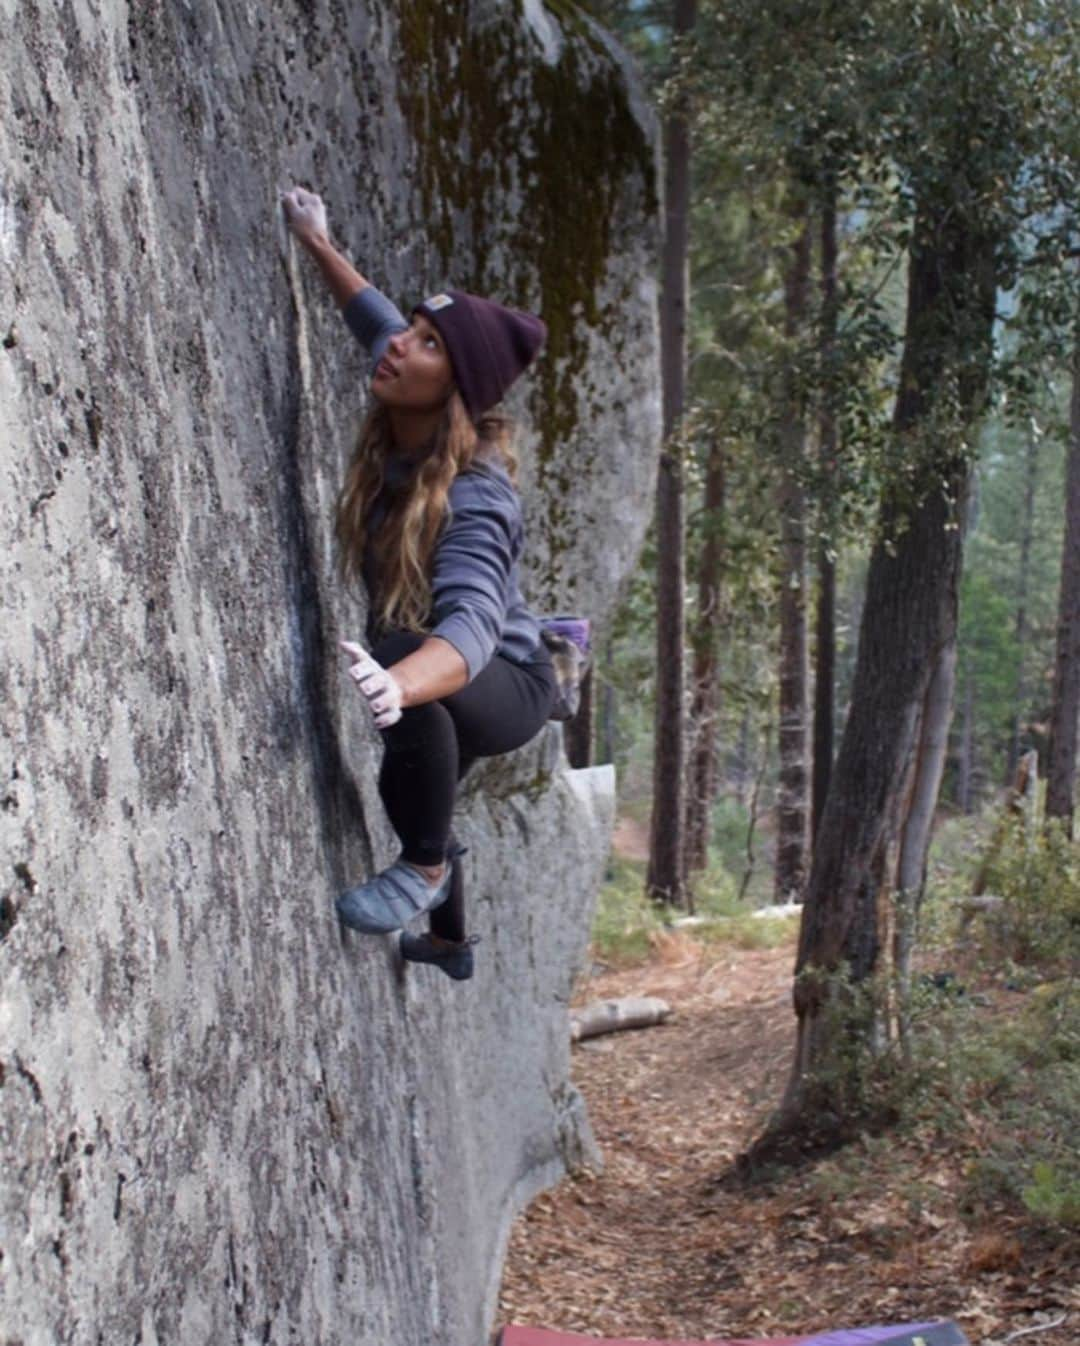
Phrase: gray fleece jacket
[475,580]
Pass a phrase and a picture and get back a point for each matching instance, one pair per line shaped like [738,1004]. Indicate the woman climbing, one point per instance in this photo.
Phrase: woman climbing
[429,519]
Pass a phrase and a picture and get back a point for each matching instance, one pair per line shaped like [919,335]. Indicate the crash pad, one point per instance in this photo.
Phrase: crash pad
[538,1336]
[910,1334]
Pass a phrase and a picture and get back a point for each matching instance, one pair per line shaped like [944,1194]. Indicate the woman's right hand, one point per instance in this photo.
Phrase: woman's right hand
[380,688]
[305,214]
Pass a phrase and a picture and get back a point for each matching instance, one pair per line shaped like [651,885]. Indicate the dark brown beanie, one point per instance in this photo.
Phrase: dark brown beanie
[489,345]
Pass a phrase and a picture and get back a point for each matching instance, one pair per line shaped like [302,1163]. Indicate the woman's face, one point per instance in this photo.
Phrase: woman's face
[415,372]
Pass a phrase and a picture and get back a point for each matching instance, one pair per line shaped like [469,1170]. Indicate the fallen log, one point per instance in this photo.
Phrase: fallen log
[612,1016]
[980,904]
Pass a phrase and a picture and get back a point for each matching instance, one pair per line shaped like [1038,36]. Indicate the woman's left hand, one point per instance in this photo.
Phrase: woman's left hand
[305,214]
[379,687]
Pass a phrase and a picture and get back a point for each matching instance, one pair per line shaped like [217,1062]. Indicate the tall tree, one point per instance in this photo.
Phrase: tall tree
[1020,622]
[733,279]
[786,104]
[965,785]
[908,619]
[705,701]
[792,821]
[1061,767]
[825,611]
[666,876]
[956,67]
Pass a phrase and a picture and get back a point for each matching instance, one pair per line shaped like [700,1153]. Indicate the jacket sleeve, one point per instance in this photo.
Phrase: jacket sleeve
[373,320]
[474,559]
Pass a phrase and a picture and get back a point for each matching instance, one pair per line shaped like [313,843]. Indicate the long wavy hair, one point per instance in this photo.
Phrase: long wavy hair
[416,515]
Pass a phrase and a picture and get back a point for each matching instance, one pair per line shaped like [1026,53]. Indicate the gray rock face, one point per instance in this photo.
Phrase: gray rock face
[221,1119]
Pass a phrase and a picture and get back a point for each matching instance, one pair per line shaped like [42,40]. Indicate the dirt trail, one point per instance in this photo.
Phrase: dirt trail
[631,838]
[660,1245]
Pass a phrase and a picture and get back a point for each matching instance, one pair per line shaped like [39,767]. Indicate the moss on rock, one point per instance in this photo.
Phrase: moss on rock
[524,166]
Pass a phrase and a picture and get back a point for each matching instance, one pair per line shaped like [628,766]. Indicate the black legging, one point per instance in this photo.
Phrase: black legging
[433,745]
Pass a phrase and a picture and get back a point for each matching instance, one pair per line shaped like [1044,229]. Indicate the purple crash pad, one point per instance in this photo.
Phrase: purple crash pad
[911,1334]
[539,1336]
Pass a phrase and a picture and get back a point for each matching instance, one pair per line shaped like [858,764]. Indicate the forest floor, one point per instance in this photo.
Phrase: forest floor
[665,1242]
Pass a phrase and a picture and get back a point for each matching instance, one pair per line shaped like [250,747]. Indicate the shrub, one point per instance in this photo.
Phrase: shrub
[1022,1077]
[1038,876]
[624,918]
[1053,1195]
[626,922]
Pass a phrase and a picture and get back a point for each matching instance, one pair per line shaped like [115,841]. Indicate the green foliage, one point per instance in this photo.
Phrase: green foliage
[731,824]
[1053,1195]
[1005,677]
[858,1081]
[625,673]
[915,118]
[1003,1094]
[956,852]
[731,821]
[901,115]
[1021,1080]
[626,922]
[905,112]
[989,662]
[1008,1081]
[1038,875]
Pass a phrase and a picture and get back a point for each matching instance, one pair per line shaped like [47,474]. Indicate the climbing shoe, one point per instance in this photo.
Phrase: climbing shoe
[456,960]
[391,899]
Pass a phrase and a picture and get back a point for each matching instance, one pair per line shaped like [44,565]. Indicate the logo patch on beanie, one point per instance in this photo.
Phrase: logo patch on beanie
[436,302]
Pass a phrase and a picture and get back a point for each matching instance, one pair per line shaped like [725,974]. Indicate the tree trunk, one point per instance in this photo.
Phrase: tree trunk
[909,621]
[608,709]
[665,881]
[917,828]
[824,685]
[966,775]
[918,820]
[792,802]
[1061,757]
[578,732]
[752,813]
[705,705]
[825,631]
[743,769]
[1020,626]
